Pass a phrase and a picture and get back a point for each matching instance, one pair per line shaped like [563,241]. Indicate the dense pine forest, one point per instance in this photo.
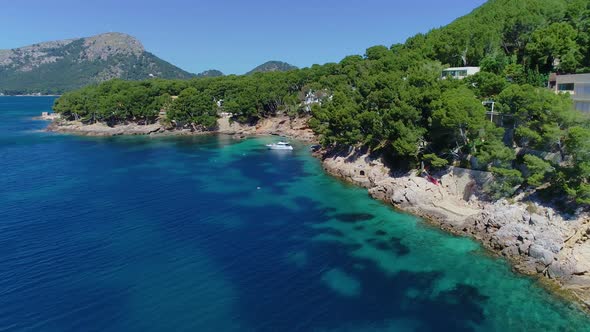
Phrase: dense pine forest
[393,101]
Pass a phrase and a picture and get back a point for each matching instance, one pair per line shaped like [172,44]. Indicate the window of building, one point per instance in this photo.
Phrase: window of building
[583,106]
[565,87]
[454,73]
[583,89]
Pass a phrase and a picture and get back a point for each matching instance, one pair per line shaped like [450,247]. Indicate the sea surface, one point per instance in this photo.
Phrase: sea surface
[215,234]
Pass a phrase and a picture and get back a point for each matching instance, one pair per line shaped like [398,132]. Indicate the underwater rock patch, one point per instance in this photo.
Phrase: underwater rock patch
[394,244]
[342,283]
[353,217]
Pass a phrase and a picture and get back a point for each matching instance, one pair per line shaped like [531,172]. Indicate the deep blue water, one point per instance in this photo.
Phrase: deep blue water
[213,234]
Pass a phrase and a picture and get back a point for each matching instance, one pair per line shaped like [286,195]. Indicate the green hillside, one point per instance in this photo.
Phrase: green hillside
[55,67]
[271,66]
[210,73]
[532,33]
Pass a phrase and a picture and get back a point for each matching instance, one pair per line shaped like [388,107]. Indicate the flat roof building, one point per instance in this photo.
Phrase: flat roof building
[459,72]
[577,85]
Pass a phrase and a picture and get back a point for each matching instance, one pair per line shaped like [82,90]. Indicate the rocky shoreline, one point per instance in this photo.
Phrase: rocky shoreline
[282,126]
[536,239]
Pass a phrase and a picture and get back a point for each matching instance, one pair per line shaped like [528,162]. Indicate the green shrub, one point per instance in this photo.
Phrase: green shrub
[505,183]
[538,170]
[434,161]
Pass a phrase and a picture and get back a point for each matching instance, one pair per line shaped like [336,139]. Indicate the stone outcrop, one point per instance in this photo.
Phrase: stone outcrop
[46,116]
[296,128]
[100,129]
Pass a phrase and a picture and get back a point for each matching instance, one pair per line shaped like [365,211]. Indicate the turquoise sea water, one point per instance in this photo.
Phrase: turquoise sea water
[213,234]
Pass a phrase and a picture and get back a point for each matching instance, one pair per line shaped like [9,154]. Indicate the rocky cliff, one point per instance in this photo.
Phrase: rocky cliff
[295,128]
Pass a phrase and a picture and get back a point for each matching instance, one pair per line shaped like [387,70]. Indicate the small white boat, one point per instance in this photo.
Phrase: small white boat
[280,146]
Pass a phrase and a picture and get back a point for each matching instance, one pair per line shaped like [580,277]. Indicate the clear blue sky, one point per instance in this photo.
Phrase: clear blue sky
[233,36]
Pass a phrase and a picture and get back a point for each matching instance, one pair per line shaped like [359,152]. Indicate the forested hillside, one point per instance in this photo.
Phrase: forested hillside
[59,66]
[210,73]
[272,66]
[393,100]
[532,33]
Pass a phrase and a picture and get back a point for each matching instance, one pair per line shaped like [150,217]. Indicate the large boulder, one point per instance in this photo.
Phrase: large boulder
[512,235]
[541,254]
[496,217]
[563,269]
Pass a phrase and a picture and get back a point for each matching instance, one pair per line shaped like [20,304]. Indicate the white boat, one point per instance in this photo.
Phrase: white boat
[280,146]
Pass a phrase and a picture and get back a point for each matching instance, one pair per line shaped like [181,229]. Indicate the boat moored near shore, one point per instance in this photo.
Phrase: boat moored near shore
[280,146]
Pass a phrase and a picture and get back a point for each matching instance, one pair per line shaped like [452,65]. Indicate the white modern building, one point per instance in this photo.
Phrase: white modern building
[459,72]
[314,97]
[577,85]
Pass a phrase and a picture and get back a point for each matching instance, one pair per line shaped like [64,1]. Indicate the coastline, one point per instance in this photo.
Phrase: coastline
[282,125]
[537,240]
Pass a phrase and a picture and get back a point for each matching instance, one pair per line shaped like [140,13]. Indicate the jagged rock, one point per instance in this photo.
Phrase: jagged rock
[541,254]
[562,269]
[412,197]
[512,235]
[550,239]
[524,247]
[398,197]
[380,192]
[511,251]
[530,267]
[538,220]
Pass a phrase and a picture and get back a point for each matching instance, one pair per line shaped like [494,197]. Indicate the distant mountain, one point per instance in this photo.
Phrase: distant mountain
[58,66]
[272,66]
[210,73]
